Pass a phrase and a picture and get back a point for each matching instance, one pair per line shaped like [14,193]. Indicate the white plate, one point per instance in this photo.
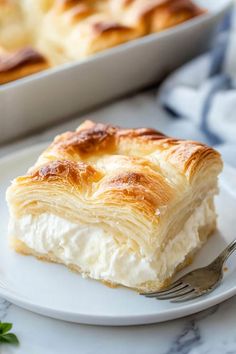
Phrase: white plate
[52,290]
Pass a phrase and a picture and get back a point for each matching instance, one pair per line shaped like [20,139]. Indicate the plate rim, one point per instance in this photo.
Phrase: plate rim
[105,320]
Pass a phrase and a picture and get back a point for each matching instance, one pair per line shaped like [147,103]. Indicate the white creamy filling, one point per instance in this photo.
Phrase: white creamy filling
[98,255]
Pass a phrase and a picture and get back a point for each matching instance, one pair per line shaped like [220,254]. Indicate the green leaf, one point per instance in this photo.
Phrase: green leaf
[5,327]
[6,337]
[9,338]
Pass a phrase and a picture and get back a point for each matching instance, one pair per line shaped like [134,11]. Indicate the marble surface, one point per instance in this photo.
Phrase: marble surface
[210,332]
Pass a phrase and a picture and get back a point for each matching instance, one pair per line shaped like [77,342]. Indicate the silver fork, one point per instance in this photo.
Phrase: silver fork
[197,282]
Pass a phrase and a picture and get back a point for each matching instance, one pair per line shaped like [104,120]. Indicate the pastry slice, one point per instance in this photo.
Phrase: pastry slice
[124,206]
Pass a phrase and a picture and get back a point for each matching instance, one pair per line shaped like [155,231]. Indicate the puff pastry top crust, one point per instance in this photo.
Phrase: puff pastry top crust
[63,30]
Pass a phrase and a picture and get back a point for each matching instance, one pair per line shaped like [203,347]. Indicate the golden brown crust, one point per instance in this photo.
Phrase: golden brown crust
[145,133]
[87,141]
[21,63]
[170,13]
[99,28]
[76,10]
[12,61]
[76,173]
[92,138]
[147,191]
[96,139]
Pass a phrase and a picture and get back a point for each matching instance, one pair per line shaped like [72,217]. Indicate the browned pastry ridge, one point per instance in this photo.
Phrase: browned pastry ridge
[124,206]
[19,64]
[65,30]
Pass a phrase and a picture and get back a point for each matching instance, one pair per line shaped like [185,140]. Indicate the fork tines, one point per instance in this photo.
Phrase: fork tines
[176,292]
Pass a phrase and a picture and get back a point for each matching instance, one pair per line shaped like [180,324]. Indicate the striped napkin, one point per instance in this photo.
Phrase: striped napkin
[204,92]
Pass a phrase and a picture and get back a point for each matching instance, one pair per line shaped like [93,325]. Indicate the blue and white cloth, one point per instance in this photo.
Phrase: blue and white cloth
[204,91]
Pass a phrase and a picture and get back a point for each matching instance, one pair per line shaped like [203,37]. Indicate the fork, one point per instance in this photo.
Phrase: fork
[197,282]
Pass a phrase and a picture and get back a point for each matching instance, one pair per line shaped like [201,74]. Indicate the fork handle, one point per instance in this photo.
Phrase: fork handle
[224,255]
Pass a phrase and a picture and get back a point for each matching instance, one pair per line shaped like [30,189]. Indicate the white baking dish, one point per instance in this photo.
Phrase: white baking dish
[61,92]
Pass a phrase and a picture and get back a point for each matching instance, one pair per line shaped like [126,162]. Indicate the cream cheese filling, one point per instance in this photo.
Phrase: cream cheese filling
[98,254]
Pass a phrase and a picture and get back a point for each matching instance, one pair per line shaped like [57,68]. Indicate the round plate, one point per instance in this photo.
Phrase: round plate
[54,291]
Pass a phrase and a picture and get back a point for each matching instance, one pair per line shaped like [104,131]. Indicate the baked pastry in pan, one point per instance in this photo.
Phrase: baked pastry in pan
[124,206]
[65,30]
